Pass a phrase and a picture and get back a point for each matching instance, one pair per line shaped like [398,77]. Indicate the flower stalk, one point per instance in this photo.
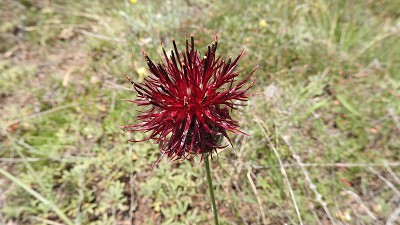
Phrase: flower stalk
[211,189]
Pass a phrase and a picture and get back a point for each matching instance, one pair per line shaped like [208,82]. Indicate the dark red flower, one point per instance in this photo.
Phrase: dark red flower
[190,98]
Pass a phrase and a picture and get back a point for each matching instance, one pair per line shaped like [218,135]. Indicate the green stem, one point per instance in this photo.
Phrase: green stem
[210,187]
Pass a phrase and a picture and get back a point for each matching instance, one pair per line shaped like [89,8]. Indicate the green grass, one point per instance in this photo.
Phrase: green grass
[328,92]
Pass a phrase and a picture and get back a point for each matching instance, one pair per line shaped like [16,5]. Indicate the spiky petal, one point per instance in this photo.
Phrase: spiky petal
[190,98]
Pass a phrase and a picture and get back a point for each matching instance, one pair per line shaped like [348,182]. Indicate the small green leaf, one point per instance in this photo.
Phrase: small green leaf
[347,105]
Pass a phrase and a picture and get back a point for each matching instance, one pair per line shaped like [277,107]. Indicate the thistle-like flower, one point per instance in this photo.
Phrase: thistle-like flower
[190,98]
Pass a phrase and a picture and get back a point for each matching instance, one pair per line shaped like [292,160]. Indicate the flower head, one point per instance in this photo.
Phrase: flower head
[190,97]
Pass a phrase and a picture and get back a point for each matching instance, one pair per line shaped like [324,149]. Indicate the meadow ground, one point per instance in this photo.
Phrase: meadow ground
[325,125]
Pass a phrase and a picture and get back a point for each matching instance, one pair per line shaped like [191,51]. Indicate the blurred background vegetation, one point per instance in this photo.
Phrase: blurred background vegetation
[325,125]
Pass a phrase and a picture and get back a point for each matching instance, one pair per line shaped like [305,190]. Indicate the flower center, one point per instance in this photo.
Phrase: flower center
[191,103]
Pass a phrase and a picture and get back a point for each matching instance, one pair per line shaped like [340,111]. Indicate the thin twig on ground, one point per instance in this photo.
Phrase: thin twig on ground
[395,177]
[259,201]
[378,38]
[387,182]
[312,186]
[394,217]
[100,36]
[361,203]
[348,165]
[45,221]
[118,86]
[12,160]
[261,124]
